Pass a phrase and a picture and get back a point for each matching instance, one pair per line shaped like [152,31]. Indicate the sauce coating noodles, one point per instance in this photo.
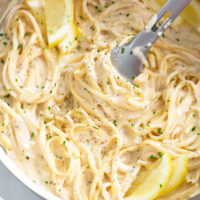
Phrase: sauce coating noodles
[77,127]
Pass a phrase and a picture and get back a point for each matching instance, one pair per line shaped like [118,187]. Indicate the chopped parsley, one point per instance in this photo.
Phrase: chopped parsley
[193,129]
[132,124]
[122,50]
[198,133]
[150,52]
[161,185]
[159,130]
[80,17]
[115,122]
[95,127]
[160,154]
[19,46]
[108,83]
[92,28]
[32,134]
[128,14]
[163,35]
[133,78]
[48,136]
[5,43]
[153,157]
[49,108]
[64,142]
[137,86]
[7,96]
[26,34]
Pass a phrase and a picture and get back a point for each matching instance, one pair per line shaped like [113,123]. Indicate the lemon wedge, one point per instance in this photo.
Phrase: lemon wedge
[70,41]
[179,172]
[190,14]
[150,182]
[59,16]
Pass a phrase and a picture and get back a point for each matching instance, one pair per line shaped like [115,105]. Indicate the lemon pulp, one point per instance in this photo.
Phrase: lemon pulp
[58,17]
[179,172]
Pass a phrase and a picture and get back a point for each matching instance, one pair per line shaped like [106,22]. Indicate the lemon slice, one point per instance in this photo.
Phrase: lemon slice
[152,180]
[59,16]
[191,14]
[179,172]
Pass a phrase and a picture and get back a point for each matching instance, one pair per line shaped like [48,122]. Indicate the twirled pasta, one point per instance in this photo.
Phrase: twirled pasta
[75,125]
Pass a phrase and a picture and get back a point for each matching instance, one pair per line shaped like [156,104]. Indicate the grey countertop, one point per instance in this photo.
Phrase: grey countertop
[12,189]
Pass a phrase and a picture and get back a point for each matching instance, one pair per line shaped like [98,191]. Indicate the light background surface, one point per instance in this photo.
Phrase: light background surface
[12,189]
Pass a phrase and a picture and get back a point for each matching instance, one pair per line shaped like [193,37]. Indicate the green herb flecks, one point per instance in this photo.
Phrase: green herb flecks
[115,122]
[160,154]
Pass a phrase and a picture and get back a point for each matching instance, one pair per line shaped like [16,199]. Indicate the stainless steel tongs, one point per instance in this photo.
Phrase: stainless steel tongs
[128,59]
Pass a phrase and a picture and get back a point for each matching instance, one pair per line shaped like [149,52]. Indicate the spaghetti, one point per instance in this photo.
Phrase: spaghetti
[77,127]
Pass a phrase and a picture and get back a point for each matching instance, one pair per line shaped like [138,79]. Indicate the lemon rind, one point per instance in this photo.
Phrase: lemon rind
[181,162]
[166,165]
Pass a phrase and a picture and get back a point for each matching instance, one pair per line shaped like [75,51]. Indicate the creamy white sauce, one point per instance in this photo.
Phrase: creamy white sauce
[76,127]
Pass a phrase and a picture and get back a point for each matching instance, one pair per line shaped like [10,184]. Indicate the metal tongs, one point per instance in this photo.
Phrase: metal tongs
[129,58]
